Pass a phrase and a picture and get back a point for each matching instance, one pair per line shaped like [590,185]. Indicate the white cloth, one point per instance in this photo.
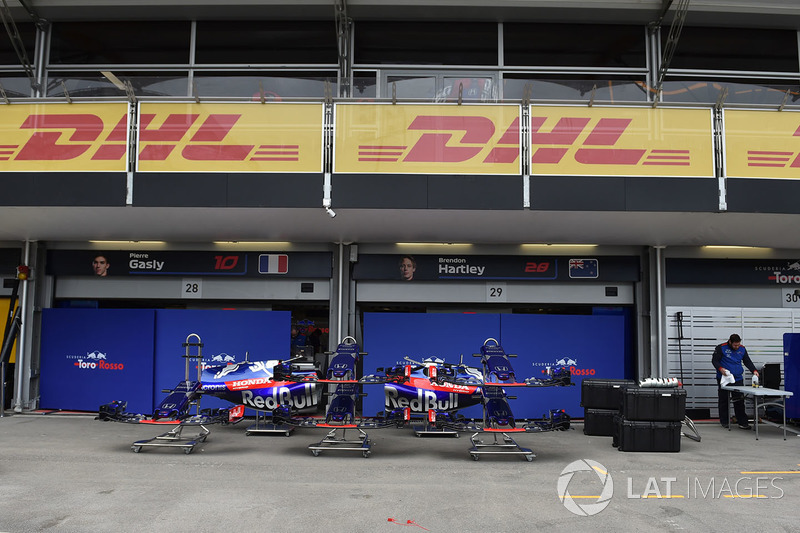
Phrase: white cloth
[727,379]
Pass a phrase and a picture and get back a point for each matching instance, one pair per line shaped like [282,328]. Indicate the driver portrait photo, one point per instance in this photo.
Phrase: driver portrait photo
[407,267]
[100,265]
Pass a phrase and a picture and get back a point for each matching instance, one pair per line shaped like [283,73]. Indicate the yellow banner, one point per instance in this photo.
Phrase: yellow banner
[762,144]
[252,137]
[621,141]
[427,139]
[64,137]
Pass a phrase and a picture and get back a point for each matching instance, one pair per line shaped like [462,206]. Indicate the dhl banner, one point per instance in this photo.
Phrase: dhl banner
[427,139]
[64,137]
[621,141]
[762,144]
[228,137]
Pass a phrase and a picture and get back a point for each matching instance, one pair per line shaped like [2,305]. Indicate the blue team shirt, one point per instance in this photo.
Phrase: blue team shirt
[732,360]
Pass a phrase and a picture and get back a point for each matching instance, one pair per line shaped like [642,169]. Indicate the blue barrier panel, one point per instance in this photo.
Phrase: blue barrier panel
[791,373]
[389,337]
[226,336]
[94,356]
[592,346]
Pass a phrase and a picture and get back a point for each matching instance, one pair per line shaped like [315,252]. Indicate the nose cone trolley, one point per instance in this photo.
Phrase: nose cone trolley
[179,402]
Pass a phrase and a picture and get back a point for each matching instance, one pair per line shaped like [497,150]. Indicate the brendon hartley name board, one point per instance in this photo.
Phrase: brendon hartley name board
[119,263]
[411,267]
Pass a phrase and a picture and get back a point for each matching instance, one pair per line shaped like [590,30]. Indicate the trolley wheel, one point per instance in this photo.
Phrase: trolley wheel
[529,458]
[315,453]
[246,433]
[474,456]
[188,450]
[456,435]
[136,449]
[366,455]
[286,433]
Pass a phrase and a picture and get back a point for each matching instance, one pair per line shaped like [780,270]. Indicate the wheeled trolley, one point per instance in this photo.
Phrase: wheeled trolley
[265,427]
[173,439]
[332,442]
[508,446]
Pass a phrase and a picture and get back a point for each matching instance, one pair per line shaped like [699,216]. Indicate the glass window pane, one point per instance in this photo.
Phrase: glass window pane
[274,87]
[425,43]
[574,45]
[116,43]
[259,42]
[365,85]
[410,87]
[8,56]
[16,85]
[736,49]
[472,90]
[605,90]
[742,91]
[84,84]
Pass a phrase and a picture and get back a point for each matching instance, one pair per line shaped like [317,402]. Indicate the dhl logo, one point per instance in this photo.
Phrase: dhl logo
[230,137]
[449,139]
[472,139]
[772,158]
[63,137]
[762,144]
[598,146]
[207,142]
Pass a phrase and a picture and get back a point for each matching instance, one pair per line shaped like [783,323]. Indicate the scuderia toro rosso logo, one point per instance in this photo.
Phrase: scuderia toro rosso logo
[95,360]
[790,274]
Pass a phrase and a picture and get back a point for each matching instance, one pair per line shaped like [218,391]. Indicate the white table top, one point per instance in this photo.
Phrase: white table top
[758,391]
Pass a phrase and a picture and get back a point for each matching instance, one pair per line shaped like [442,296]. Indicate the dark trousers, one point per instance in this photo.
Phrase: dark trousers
[738,404]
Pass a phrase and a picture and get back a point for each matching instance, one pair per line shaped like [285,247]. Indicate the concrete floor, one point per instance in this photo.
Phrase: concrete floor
[74,474]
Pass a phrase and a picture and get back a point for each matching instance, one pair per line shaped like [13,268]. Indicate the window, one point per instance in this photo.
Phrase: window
[258,42]
[27,32]
[574,45]
[117,43]
[735,49]
[425,43]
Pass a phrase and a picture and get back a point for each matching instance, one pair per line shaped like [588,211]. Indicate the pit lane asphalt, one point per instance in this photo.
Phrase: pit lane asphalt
[74,474]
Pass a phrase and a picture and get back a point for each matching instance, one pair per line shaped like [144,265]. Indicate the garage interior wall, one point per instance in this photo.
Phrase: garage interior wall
[691,342]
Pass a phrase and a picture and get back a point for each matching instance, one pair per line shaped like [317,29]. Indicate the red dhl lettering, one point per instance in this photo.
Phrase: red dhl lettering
[214,129]
[434,144]
[83,131]
[604,134]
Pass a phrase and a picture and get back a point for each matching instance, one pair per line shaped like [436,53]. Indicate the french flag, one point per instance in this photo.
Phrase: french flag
[273,264]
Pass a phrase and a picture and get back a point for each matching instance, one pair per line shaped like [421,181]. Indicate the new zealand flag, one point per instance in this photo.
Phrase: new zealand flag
[583,268]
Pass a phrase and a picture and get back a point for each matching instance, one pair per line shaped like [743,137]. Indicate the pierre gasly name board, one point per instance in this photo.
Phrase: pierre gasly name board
[120,263]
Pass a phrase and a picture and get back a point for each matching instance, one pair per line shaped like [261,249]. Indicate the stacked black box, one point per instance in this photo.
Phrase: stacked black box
[645,436]
[601,400]
[650,420]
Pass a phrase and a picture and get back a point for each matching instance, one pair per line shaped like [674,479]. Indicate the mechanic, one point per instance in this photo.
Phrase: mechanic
[727,359]
[298,338]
